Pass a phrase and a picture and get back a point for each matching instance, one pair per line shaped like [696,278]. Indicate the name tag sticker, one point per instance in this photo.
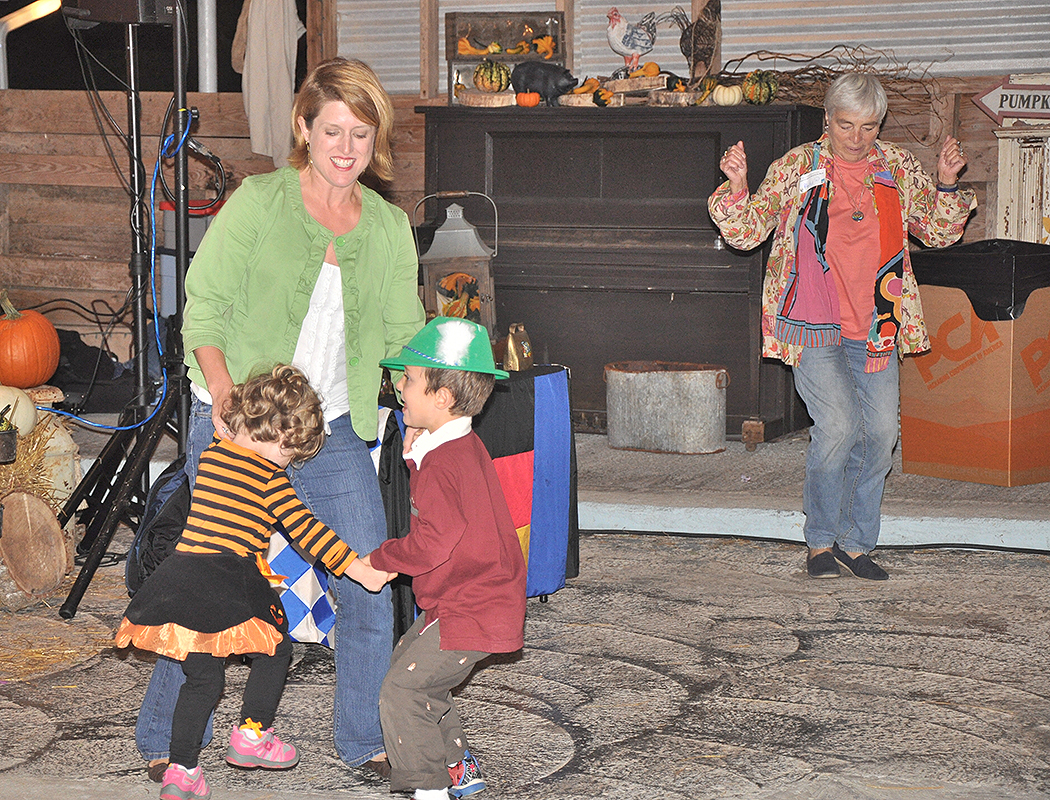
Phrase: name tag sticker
[811,179]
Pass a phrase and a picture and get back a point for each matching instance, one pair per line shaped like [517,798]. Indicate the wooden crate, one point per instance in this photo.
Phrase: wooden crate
[665,97]
[505,29]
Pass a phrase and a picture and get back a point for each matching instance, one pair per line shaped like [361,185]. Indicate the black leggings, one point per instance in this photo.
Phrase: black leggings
[205,679]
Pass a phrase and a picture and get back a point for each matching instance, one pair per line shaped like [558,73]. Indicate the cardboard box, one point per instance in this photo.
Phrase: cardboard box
[976,407]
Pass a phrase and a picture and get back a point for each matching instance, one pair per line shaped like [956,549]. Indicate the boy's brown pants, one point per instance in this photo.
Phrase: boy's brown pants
[421,728]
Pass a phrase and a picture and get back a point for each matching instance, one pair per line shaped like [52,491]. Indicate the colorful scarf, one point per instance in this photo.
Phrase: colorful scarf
[808,313]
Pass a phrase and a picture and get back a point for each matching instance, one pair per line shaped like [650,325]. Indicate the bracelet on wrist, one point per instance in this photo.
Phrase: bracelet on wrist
[947,189]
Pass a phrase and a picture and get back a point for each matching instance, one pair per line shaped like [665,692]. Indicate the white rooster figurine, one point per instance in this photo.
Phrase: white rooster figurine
[631,41]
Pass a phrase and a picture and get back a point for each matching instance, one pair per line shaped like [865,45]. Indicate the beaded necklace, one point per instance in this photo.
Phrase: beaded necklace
[855,202]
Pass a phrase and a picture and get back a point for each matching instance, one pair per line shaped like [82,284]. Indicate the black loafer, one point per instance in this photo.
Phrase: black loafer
[861,566]
[822,565]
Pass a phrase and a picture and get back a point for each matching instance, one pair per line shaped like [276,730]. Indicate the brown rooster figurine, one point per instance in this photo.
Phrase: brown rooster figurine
[631,41]
[701,39]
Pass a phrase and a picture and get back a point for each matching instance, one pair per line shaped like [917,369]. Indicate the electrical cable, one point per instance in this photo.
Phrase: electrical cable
[84,57]
[96,104]
[200,150]
[153,288]
[95,99]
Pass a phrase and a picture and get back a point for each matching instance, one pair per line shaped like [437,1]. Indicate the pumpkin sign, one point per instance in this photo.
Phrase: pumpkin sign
[28,346]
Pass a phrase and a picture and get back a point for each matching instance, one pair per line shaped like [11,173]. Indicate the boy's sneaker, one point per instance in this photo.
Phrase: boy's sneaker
[466,777]
[180,783]
[267,752]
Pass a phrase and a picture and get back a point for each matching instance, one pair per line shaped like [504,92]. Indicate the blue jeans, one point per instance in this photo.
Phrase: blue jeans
[340,487]
[855,427]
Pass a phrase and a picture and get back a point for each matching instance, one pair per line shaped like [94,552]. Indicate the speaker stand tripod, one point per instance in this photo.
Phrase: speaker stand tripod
[114,489]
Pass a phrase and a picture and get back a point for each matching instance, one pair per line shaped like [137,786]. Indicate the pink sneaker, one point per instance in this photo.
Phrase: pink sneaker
[269,752]
[180,783]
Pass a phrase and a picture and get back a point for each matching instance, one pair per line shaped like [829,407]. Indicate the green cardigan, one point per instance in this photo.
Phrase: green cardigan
[248,287]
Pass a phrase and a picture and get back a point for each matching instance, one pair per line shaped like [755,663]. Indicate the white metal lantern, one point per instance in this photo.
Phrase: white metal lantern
[457,268]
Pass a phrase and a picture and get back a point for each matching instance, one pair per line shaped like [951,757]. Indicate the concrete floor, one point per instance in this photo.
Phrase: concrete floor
[672,667]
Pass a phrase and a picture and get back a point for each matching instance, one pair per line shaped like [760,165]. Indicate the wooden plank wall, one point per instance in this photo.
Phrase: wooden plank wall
[65,230]
[920,125]
[65,233]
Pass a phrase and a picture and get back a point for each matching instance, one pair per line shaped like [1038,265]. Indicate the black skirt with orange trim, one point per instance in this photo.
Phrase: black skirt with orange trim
[192,603]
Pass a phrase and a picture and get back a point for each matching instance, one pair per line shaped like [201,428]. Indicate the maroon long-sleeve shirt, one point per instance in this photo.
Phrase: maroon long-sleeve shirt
[462,550]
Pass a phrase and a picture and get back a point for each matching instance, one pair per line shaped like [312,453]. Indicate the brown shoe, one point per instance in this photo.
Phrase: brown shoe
[155,769]
[380,767]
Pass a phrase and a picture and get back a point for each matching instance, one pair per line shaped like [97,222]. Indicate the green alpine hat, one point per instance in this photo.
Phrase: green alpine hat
[448,343]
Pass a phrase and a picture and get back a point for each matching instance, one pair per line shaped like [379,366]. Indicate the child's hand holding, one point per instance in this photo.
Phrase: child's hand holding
[361,570]
[411,434]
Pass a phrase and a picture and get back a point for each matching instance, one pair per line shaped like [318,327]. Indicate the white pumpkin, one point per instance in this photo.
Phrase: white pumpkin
[727,95]
[22,413]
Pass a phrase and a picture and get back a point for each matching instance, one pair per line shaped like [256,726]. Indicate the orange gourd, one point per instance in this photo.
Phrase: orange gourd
[527,99]
[28,346]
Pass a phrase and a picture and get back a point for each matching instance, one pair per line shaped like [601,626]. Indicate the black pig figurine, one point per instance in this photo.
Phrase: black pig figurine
[550,80]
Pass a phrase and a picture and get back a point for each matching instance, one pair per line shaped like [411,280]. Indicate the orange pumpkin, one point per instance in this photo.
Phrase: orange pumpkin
[528,99]
[28,346]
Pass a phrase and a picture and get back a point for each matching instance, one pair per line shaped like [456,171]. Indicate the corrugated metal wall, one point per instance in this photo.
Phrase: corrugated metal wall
[385,34]
[949,37]
[953,37]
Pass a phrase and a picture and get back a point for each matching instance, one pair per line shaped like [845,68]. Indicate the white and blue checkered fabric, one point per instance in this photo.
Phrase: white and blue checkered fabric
[309,602]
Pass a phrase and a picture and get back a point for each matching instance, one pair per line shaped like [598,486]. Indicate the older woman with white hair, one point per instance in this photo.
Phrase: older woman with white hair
[840,303]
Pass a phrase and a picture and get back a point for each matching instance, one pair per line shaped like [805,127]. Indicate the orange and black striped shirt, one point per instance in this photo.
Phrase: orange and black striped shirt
[237,498]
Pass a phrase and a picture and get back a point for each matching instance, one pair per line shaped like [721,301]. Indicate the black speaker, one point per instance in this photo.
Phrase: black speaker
[127,12]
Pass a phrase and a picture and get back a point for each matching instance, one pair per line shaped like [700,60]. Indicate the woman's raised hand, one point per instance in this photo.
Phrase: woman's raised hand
[950,162]
[734,165]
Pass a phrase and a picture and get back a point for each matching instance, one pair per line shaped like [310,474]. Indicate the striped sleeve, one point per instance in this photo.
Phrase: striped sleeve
[311,535]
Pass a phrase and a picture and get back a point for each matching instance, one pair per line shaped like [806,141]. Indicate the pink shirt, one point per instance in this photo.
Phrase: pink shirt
[852,248]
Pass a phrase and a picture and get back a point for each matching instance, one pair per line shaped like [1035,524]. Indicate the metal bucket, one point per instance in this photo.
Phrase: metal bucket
[666,406]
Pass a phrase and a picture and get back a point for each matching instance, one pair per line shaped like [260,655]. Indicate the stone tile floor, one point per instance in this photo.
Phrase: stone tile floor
[672,667]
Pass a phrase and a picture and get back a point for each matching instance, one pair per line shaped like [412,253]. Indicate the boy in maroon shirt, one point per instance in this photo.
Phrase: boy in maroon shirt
[462,552]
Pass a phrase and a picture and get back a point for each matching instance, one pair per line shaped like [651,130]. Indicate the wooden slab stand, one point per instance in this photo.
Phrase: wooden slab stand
[642,84]
[479,99]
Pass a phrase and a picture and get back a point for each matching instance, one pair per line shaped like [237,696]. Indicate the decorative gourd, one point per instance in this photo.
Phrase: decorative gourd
[650,69]
[21,412]
[527,99]
[724,95]
[587,87]
[28,346]
[491,76]
[707,85]
[544,46]
[760,87]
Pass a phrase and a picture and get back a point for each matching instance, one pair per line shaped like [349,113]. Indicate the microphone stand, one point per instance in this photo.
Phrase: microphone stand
[114,489]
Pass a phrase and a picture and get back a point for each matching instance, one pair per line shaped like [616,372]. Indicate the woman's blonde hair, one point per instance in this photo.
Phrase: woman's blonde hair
[354,84]
[278,407]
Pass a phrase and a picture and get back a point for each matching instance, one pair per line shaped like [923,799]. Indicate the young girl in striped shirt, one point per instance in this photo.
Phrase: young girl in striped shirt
[213,596]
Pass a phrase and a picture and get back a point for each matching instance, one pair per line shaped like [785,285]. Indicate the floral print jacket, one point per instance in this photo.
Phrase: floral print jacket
[935,218]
